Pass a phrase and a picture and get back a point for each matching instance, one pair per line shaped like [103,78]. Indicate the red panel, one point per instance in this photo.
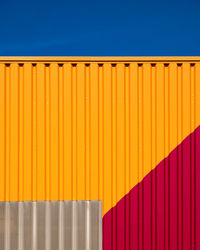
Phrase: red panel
[162,211]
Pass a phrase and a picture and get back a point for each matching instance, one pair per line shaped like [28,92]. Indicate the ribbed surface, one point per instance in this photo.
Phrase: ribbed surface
[89,130]
[163,210]
[62,225]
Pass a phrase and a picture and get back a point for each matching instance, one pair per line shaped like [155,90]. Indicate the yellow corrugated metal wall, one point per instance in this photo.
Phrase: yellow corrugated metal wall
[81,129]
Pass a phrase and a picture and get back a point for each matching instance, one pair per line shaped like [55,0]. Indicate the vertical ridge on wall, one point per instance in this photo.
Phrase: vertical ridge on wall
[74,131]
[100,131]
[153,153]
[94,131]
[127,151]
[7,133]
[67,98]
[2,130]
[87,131]
[193,156]
[21,132]
[197,153]
[34,133]
[180,157]
[166,153]
[140,154]
[47,131]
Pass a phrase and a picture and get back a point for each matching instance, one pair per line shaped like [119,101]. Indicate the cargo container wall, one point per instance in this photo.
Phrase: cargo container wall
[121,130]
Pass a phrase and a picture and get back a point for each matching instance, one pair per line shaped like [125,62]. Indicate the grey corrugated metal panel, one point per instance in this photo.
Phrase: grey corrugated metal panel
[43,225]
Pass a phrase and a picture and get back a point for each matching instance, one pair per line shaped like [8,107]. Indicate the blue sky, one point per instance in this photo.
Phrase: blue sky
[100,28]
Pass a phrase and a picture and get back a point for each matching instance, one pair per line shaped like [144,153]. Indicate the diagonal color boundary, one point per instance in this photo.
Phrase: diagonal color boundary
[163,210]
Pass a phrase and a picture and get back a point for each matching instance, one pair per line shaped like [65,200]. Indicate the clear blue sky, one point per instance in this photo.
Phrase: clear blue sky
[100,28]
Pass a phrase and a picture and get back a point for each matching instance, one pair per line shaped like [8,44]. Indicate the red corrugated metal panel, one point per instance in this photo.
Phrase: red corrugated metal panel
[162,211]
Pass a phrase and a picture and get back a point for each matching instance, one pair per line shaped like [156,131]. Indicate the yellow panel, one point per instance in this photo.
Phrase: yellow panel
[113,135]
[21,133]
[27,144]
[67,134]
[159,113]
[47,132]
[107,194]
[54,132]
[120,128]
[101,130]
[14,132]
[60,133]
[87,121]
[134,128]
[2,131]
[147,118]
[93,143]
[186,97]
[40,110]
[173,100]
[91,128]
[34,134]
[74,132]
[166,108]
[81,145]
[127,126]
[153,116]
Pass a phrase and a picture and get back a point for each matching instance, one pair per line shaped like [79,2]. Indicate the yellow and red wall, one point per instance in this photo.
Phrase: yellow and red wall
[121,130]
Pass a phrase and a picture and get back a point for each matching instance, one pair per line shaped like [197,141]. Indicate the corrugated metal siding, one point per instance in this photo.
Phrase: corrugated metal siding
[107,129]
[63,225]
[91,128]
[163,210]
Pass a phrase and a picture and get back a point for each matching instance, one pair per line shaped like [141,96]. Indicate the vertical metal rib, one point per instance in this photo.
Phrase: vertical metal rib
[41,237]
[68,225]
[2,225]
[95,225]
[54,225]
[28,225]
[14,224]
[34,221]
[74,226]
[47,226]
[21,226]
[7,226]
[88,222]
[81,226]
[99,221]
[62,225]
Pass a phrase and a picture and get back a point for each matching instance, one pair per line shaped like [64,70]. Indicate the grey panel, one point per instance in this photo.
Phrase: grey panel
[80,225]
[28,224]
[2,226]
[14,225]
[50,225]
[40,226]
[54,225]
[68,206]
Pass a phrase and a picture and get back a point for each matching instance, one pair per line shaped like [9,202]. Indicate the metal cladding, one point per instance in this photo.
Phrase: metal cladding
[162,211]
[121,130]
[62,225]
